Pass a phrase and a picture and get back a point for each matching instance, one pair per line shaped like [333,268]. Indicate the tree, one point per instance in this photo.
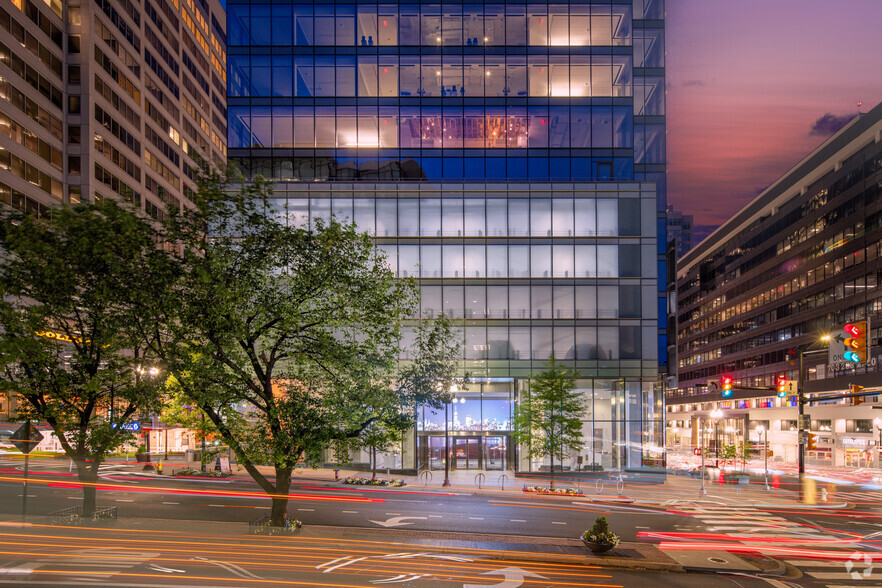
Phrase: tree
[68,283]
[287,337]
[548,420]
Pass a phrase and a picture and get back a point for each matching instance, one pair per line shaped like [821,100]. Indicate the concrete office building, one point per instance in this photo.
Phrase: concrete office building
[509,155]
[798,262]
[109,99]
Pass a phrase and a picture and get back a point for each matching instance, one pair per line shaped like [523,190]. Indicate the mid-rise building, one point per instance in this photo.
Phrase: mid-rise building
[679,231]
[110,99]
[797,263]
[510,156]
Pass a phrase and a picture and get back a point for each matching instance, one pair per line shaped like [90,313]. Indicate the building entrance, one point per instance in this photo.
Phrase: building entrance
[466,453]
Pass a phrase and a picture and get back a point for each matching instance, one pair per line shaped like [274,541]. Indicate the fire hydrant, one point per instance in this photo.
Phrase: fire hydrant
[159,467]
[823,495]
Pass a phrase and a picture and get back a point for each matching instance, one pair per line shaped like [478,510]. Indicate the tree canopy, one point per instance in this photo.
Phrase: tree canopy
[69,282]
[548,418]
[288,336]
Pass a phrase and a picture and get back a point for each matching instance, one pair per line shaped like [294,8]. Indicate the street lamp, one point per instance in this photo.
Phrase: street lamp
[701,472]
[452,398]
[761,431]
[716,414]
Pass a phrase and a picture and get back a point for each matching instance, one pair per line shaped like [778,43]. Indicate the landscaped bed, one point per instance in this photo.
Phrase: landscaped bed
[553,491]
[372,481]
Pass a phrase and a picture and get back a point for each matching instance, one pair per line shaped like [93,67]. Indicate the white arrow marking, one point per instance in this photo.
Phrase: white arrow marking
[230,567]
[345,563]
[399,579]
[332,562]
[397,521]
[166,570]
[514,577]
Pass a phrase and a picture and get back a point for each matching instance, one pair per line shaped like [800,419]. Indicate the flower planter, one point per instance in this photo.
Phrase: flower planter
[597,547]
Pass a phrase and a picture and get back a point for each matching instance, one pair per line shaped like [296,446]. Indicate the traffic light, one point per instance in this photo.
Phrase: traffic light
[856,344]
[782,386]
[726,382]
[812,442]
[857,400]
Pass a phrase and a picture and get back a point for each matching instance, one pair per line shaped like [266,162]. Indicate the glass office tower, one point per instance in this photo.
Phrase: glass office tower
[511,156]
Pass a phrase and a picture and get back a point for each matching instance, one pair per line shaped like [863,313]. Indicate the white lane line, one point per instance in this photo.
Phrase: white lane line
[350,511]
[393,514]
[518,521]
[476,518]
[74,498]
[306,509]
[218,505]
[124,500]
[819,563]
[557,523]
[171,502]
[636,527]
[435,517]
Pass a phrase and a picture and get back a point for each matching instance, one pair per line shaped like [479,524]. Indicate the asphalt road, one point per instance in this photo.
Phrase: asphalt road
[142,496]
[157,558]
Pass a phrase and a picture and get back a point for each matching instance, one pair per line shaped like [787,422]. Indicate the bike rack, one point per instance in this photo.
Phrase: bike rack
[480,479]
[501,481]
[426,477]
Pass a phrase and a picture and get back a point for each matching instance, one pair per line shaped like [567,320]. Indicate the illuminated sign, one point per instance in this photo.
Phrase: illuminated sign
[59,337]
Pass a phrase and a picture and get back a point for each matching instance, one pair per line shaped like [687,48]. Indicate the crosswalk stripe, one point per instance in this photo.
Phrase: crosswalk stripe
[820,563]
[832,575]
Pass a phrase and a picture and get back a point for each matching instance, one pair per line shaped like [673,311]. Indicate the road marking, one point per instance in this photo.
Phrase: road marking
[476,518]
[171,502]
[435,517]
[74,498]
[350,511]
[306,509]
[556,523]
[393,514]
[641,527]
[30,495]
[124,500]
[518,521]
[219,505]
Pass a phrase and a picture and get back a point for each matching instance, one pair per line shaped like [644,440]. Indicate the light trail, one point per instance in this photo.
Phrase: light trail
[162,490]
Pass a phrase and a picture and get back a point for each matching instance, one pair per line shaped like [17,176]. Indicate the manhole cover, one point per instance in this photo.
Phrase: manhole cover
[718,560]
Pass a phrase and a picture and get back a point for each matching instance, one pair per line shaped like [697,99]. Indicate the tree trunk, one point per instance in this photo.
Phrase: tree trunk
[374,461]
[552,470]
[279,510]
[89,479]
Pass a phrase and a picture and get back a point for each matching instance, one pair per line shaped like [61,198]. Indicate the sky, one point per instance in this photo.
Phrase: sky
[754,86]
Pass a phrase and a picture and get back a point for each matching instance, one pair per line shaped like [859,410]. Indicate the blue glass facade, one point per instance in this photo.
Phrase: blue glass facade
[510,155]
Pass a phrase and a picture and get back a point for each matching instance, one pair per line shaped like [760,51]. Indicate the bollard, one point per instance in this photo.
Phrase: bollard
[159,467]
[336,475]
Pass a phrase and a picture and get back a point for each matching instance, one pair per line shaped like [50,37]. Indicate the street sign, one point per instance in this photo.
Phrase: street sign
[26,438]
[806,421]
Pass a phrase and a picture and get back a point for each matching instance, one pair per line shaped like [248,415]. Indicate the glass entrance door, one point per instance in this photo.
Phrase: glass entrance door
[466,453]
[494,453]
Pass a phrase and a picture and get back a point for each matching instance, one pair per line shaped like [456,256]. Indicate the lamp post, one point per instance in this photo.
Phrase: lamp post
[447,438]
[761,431]
[716,414]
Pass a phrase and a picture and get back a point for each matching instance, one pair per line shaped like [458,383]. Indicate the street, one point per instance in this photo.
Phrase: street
[426,536]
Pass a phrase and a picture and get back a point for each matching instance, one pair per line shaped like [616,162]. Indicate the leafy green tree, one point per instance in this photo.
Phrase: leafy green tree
[296,330]
[548,419]
[69,282]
